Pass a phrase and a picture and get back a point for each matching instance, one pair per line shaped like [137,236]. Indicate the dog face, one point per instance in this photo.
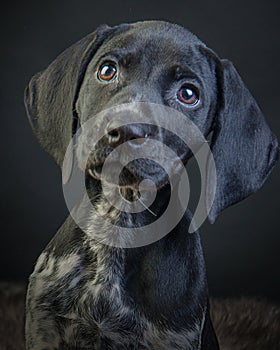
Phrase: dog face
[142,65]
[162,63]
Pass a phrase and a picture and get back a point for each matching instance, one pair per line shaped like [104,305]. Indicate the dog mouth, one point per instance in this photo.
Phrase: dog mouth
[132,174]
[128,178]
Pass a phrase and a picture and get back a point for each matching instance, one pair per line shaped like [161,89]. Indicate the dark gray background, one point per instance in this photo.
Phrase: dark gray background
[242,247]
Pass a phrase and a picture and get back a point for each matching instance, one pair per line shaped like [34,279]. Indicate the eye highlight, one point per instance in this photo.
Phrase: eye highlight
[107,72]
[189,95]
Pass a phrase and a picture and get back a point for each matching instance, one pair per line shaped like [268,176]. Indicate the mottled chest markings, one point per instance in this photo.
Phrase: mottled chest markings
[96,308]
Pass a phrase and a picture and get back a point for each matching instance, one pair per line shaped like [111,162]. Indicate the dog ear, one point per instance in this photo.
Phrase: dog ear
[243,147]
[51,94]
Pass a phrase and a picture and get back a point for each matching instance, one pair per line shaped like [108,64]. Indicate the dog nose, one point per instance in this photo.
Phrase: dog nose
[134,134]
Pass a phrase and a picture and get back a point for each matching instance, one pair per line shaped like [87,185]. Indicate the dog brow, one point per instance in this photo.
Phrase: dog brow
[122,55]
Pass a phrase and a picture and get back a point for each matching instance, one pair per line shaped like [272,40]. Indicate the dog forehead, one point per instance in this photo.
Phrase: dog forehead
[161,32]
[154,39]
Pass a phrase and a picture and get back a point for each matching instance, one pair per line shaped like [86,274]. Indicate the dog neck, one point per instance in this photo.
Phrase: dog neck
[178,246]
[165,280]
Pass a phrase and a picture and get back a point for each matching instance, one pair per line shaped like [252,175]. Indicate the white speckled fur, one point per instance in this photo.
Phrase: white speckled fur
[106,284]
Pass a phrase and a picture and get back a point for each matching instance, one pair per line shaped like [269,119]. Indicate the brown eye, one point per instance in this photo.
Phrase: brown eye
[189,95]
[107,72]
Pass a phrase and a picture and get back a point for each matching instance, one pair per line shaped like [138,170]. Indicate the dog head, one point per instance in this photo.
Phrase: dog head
[161,63]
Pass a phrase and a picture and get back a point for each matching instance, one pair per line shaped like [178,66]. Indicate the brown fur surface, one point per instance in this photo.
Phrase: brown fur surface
[240,323]
[246,324]
[12,304]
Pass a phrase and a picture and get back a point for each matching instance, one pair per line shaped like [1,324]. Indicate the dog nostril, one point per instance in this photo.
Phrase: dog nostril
[113,135]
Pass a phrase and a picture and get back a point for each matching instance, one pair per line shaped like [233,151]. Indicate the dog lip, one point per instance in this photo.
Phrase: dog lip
[95,171]
[95,175]
[134,185]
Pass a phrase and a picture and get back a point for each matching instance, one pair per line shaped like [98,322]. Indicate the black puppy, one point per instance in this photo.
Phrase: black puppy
[87,295]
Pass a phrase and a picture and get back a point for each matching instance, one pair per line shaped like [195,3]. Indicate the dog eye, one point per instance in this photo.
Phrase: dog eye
[189,95]
[107,72]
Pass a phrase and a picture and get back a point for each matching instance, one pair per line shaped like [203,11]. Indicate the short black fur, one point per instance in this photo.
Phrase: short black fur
[86,295]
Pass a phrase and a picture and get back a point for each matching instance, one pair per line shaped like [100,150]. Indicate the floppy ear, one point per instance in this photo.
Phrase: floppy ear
[51,94]
[243,146]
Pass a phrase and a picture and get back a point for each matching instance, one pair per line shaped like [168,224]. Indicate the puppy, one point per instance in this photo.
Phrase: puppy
[84,293]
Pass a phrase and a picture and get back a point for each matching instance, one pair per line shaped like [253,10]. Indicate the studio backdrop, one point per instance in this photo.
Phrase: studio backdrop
[242,247]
